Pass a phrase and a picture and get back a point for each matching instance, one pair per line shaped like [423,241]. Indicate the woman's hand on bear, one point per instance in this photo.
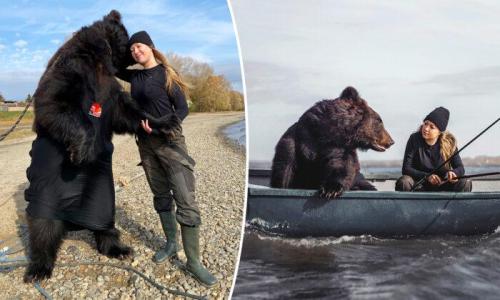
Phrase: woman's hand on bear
[145,126]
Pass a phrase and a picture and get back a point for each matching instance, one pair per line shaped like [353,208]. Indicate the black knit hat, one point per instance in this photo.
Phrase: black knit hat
[439,116]
[141,37]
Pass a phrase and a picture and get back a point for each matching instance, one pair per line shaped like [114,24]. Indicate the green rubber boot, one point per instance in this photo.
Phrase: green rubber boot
[169,225]
[191,242]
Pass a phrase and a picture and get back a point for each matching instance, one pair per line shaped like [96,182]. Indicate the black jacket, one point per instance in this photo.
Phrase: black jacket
[148,89]
[420,159]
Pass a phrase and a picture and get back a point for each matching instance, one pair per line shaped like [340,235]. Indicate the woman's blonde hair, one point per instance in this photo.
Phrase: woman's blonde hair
[448,145]
[171,74]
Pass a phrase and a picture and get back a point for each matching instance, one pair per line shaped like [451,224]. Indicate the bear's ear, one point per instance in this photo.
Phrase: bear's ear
[113,15]
[350,93]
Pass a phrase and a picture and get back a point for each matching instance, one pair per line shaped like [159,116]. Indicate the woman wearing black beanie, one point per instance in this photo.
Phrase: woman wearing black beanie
[426,150]
[160,91]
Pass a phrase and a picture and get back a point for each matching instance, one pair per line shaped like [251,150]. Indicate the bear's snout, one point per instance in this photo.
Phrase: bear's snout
[384,142]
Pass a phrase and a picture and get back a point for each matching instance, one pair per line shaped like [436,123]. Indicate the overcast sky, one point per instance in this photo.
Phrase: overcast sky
[31,32]
[404,57]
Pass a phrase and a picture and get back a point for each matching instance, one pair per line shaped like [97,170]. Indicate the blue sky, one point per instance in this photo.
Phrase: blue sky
[31,31]
[404,57]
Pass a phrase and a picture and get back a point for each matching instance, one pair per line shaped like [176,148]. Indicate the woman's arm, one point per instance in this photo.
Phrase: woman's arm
[127,117]
[125,74]
[457,165]
[409,159]
[179,102]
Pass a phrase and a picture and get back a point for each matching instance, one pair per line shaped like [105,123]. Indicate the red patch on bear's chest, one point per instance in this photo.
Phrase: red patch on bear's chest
[95,110]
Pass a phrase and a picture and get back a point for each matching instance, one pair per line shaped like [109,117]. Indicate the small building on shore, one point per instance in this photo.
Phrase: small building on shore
[13,106]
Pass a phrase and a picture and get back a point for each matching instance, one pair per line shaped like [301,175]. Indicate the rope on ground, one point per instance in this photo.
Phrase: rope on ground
[5,134]
[7,266]
[42,291]
[3,203]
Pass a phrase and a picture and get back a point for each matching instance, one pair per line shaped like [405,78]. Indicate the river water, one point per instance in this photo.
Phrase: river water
[236,132]
[369,268]
[365,267]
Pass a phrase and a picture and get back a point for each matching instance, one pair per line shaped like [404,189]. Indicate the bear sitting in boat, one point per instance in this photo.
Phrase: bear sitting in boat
[319,151]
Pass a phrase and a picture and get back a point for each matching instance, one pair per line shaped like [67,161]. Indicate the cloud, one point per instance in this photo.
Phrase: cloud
[478,81]
[202,29]
[201,57]
[20,43]
[232,73]
[405,59]
[16,85]
[2,46]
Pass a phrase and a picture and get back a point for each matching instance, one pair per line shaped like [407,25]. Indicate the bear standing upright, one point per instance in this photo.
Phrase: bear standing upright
[319,151]
[78,106]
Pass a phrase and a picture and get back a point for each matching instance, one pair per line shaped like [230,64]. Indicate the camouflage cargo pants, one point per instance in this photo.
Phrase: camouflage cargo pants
[170,174]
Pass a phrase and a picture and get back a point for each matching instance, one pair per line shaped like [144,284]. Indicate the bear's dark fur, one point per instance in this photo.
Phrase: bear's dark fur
[82,72]
[319,151]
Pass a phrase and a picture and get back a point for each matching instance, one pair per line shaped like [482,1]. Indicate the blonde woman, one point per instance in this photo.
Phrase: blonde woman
[159,91]
[426,150]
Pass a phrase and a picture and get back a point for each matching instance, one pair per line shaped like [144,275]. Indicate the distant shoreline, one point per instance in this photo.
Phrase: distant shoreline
[476,162]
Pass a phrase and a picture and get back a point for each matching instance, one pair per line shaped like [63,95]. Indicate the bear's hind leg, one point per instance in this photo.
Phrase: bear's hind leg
[284,164]
[45,238]
[361,184]
[108,243]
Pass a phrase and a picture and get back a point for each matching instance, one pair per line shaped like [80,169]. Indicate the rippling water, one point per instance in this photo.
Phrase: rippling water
[369,268]
[236,132]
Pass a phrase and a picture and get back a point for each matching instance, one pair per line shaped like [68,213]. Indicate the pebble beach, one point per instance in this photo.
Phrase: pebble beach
[220,183]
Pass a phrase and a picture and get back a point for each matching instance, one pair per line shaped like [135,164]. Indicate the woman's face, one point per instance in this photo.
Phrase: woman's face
[429,131]
[141,53]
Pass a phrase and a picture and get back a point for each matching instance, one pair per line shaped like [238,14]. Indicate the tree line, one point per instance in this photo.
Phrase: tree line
[207,91]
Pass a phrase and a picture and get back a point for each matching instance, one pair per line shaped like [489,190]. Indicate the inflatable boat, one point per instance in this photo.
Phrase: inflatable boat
[300,213]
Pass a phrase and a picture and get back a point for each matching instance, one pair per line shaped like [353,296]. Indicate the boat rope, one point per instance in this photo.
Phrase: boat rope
[435,218]
[421,181]
[24,263]
[5,134]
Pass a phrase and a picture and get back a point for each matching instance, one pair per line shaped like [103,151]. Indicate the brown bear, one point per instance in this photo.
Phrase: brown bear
[319,151]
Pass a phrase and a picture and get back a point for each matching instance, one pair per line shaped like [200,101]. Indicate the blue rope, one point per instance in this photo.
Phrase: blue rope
[42,291]
[4,259]
[24,263]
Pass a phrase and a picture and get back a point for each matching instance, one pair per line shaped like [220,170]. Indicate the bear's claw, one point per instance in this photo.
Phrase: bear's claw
[331,193]
[37,273]
[119,252]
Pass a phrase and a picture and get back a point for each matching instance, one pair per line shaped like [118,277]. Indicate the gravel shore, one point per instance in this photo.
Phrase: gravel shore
[220,175]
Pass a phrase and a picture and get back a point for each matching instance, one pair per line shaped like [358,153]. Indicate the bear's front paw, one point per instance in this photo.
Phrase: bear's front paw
[332,191]
[118,251]
[38,272]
